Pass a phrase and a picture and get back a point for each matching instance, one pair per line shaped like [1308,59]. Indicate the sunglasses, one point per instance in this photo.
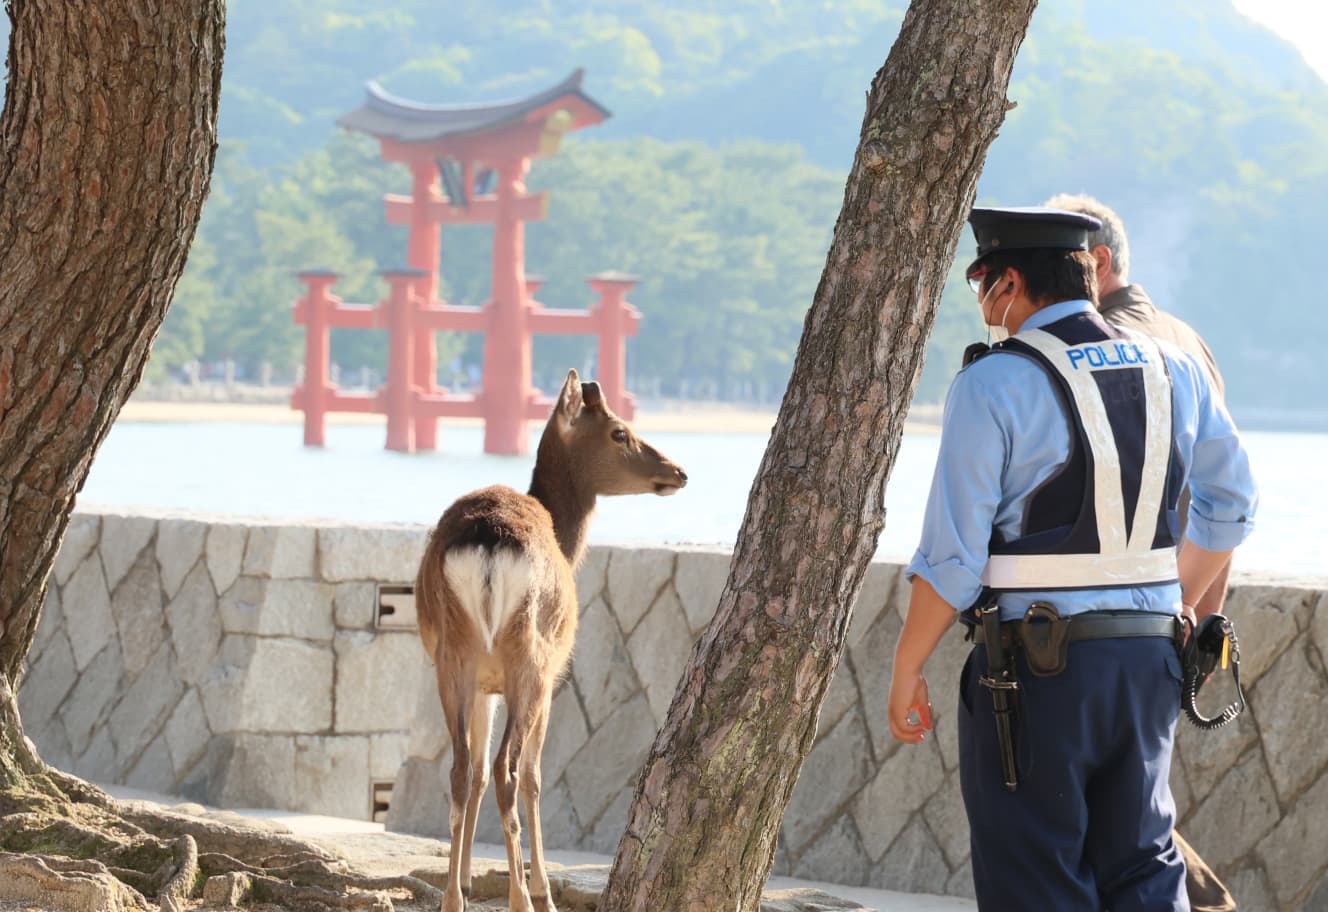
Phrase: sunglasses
[975,278]
[977,275]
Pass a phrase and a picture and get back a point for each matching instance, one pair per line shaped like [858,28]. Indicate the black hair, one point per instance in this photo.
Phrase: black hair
[1049,275]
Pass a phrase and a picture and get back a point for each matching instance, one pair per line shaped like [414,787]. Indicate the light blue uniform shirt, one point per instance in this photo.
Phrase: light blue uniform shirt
[1005,431]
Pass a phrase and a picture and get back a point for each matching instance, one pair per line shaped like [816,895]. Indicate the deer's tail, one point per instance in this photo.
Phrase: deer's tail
[488,585]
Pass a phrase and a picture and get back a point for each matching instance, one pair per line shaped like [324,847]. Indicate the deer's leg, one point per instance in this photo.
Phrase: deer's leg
[506,781]
[481,727]
[530,792]
[456,687]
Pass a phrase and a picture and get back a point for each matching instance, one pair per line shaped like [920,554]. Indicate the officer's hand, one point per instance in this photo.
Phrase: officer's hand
[908,699]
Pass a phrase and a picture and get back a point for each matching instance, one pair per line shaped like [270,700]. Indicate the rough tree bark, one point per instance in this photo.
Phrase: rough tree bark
[702,830]
[107,142]
[106,148]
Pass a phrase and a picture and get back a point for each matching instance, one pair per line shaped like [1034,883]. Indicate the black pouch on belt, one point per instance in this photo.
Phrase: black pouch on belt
[1045,636]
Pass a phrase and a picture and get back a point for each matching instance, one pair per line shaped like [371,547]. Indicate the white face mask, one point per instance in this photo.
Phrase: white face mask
[998,333]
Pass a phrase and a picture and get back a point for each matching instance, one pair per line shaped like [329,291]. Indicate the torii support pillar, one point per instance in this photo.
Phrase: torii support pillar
[315,309]
[616,320]
[402,392]
[507,348]
[422,253]
[320,310]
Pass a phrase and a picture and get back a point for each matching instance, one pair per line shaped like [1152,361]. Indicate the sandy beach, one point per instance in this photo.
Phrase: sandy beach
[672,416]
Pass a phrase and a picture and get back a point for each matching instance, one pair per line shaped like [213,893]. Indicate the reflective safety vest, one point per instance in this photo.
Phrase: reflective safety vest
[1107,517]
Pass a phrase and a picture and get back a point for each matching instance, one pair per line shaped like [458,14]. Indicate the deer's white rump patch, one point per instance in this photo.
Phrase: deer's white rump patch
[490,585]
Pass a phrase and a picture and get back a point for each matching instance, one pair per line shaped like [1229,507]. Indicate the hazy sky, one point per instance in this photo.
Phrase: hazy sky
[1302,22]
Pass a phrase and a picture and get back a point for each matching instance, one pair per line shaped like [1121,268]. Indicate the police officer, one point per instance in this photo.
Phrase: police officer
[1053,518]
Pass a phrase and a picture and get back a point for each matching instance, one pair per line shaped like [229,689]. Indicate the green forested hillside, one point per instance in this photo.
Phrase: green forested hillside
[719,176]
[780,71]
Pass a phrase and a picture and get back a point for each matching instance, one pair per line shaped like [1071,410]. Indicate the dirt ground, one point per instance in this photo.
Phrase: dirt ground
[673,417]
[576,878]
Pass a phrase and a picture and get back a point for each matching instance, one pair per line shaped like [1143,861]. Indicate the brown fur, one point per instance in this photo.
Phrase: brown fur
[585,451]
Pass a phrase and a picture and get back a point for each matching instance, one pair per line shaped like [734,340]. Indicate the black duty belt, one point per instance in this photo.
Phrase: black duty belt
[1096,625]
[1043,636]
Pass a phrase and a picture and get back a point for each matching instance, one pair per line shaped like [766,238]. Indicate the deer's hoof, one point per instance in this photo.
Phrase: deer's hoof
[454,902]
[542,904]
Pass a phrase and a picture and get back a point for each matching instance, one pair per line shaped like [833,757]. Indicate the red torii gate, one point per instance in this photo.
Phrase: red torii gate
[463,148]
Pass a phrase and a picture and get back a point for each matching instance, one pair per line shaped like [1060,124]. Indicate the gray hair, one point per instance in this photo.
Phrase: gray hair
[1112,233]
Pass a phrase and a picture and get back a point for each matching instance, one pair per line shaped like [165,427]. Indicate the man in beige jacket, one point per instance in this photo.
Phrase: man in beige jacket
[1129,306]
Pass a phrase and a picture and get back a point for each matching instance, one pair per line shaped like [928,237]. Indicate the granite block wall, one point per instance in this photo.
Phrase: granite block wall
[238,663]
[234,662]
[1252,797]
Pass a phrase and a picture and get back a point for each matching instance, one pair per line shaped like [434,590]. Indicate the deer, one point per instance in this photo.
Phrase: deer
[497,607]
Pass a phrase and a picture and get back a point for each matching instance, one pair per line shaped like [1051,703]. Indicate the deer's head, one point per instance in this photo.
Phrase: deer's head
[602,451]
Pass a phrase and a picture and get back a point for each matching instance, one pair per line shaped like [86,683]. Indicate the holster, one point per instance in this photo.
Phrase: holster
[1004,687]
[1045,636]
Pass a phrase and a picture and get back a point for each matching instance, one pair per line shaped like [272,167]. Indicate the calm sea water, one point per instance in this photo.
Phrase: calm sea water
[264,470]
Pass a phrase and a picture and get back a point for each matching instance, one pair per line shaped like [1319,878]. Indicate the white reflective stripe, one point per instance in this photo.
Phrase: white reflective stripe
[1079,571]
[1108,497]
[1157,446]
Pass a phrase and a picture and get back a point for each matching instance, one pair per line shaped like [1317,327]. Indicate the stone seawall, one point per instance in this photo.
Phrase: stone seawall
[1253,797]
[235,662]
[240,663]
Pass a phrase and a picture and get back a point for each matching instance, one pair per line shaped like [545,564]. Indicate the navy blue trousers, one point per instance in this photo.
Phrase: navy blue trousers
[1089,829]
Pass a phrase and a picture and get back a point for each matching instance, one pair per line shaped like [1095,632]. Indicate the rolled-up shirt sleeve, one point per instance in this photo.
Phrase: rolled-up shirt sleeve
[965,494]
[1223,493]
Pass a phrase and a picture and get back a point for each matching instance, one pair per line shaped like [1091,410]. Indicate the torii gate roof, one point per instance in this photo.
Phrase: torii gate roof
[388,117]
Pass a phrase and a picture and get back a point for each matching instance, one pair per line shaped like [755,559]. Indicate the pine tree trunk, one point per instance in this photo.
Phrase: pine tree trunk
[702,830]
[106,148]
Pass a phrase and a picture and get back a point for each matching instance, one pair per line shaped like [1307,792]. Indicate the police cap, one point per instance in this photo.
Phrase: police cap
[1028,228]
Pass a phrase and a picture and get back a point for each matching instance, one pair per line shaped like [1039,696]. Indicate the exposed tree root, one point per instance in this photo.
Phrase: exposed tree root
[76,845]
[170,857]
[89,866]
[55,883]
[214,863]
[421,890]
[292,896]
[181,884]
[322,874]
[265,848]
[134,880]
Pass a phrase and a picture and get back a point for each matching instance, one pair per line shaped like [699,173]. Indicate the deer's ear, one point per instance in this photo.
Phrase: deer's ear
[570,400]
[592,395]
